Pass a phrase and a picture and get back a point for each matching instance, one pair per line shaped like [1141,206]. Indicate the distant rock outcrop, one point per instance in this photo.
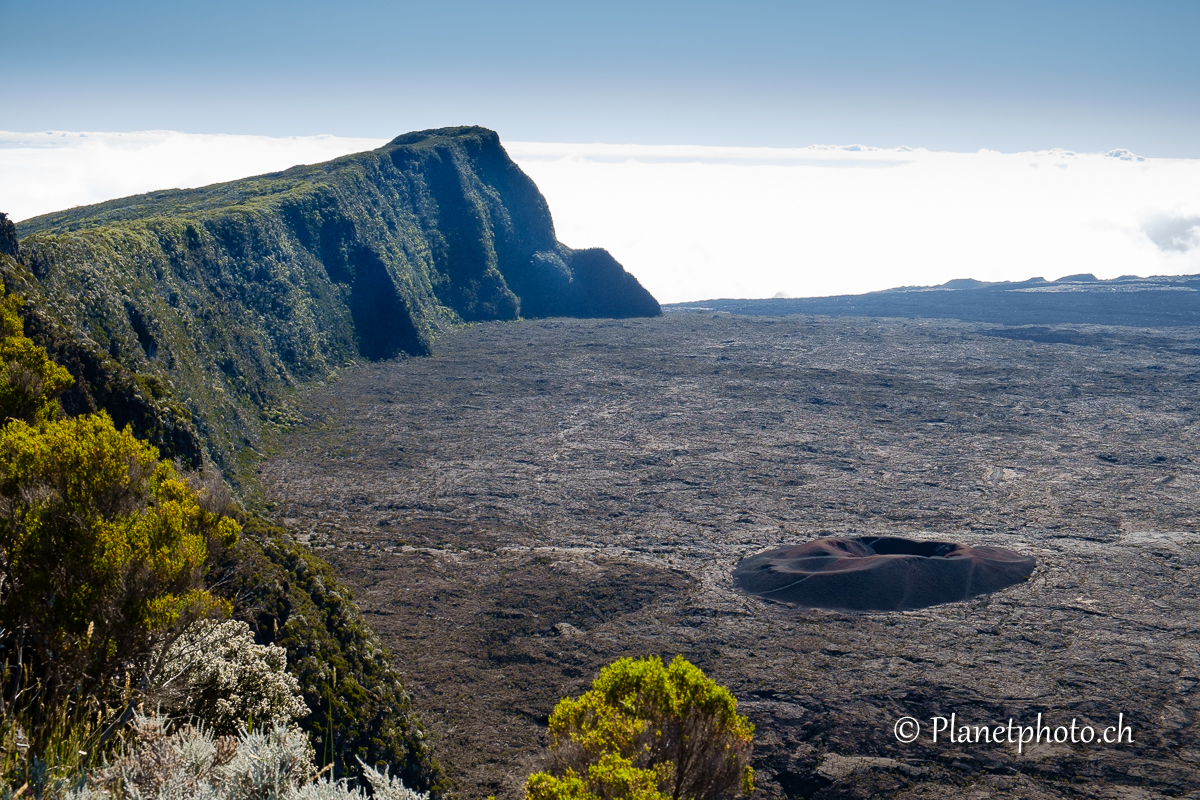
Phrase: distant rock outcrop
[1083,299]
[224,296]
[879,573]
[8,238]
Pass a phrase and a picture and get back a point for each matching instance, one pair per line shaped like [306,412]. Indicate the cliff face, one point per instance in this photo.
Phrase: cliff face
[9,246]
[224,296]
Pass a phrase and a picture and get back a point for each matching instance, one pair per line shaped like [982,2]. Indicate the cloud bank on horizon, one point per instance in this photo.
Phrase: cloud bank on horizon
[55,170]
[696,223]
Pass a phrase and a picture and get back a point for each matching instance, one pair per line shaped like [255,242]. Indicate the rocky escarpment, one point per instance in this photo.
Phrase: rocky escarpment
[9,245]
[101,381]
[224,296]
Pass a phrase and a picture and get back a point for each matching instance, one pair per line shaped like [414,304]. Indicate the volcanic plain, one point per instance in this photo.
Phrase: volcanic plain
[539,498]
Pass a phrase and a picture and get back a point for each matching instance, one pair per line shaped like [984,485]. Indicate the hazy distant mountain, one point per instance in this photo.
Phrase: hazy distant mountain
[1079,299]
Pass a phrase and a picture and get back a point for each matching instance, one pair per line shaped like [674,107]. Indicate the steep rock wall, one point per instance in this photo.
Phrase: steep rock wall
[228,294]
[101,382]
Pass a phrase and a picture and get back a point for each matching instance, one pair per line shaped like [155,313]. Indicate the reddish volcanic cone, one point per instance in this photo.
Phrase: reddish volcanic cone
[879,573]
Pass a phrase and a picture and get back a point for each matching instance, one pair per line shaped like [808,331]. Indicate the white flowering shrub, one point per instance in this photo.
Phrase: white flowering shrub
[162,764]
[269,764]
[216,674]
[384,787]
[191,763]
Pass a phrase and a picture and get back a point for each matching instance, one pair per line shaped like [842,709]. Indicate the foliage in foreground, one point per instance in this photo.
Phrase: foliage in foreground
[361,716]
[29,381]
[107,568]
[360,710]
[103,549]
[647,731]
[103,554]
[162,762]
[215,673]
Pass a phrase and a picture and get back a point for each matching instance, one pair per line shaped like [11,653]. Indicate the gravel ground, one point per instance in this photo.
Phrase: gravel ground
[542,497]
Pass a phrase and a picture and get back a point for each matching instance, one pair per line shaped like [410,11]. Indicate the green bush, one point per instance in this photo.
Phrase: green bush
[611,778]
[29,381]
[103,550]
[648,731]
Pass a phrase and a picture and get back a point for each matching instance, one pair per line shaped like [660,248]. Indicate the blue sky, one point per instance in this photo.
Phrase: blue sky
[955,76]
[707,186]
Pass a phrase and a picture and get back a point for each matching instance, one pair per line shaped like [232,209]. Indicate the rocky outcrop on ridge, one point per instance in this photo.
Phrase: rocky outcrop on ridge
[9,245]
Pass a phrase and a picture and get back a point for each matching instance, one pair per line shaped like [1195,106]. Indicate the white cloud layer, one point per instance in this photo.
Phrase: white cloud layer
[44,172]
[698,223]
[703,222]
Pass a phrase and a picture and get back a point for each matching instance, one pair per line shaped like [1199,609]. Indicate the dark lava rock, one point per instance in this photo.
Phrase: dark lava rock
[610,474]
[879,573]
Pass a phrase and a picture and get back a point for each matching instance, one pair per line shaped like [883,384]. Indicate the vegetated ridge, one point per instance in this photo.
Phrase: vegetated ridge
[1166,301]
[188,314]
[289,597]
[101,381]
[220,298]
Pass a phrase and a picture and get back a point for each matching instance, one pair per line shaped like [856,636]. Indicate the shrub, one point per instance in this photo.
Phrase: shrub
[29,381]
[611,778]
[216,674]
[293,599]
[189,762]
[648,731]
[385,787]
[102,554]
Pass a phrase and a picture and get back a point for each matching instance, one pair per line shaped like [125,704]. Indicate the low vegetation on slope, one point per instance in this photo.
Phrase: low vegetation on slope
[113,568]
[360,710]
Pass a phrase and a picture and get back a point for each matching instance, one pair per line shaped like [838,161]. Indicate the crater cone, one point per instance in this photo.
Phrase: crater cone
[879,573]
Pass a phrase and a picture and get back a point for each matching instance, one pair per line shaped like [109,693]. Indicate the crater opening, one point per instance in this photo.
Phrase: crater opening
[879,573]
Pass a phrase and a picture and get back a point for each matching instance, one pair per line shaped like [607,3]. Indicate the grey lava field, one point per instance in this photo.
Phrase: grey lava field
[539,498]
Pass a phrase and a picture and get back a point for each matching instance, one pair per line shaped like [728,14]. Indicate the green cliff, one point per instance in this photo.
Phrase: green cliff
[189,314]
[198,308]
